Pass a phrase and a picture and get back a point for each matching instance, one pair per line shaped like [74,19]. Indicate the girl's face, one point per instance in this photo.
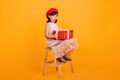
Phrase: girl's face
[53,18]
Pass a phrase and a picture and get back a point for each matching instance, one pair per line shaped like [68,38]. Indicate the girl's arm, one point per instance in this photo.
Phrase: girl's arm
[46,33]
[60,28]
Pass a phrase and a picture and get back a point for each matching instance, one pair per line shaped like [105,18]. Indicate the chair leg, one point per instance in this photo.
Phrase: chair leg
[44,69]
[59,71]
[71,66]
[57,68]
[45,59]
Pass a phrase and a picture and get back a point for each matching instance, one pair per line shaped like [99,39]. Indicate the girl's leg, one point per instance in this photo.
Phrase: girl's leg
[69,54]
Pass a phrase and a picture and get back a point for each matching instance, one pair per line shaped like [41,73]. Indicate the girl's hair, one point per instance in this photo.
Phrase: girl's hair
[51,14]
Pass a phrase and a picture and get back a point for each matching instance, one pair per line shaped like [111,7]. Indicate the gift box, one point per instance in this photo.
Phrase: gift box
[63,34]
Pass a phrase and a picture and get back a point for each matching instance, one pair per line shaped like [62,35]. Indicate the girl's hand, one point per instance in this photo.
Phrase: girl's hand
[55,36]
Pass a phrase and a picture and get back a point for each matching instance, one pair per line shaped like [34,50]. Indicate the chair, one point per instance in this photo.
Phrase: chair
[54,63]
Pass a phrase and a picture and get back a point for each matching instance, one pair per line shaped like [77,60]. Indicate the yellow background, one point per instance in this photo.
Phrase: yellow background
[96,26]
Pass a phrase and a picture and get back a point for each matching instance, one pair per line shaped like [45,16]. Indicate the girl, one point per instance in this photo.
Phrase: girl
[60,48]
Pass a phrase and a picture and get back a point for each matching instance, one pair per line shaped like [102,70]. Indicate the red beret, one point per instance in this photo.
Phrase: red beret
[50,11]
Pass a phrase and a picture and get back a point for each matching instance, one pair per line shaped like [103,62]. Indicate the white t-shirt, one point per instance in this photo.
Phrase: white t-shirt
[53,26]
[52,42]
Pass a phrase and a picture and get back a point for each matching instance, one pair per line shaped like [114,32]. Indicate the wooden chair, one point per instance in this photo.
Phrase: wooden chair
[54,63]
